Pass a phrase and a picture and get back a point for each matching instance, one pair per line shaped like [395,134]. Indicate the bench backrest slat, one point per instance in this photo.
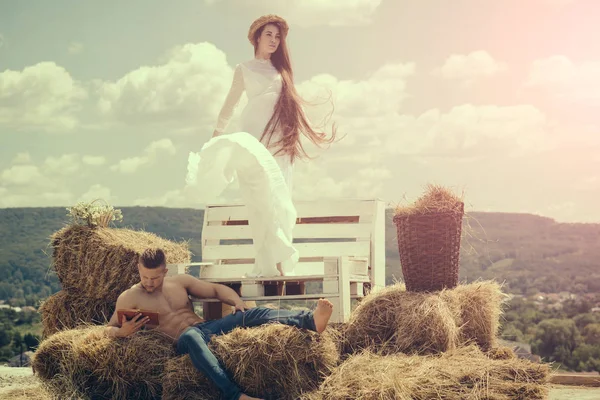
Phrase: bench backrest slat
[301,231]
[304,209]
[247,251]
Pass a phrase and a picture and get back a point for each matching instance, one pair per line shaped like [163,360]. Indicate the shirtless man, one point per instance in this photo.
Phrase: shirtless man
[169,297]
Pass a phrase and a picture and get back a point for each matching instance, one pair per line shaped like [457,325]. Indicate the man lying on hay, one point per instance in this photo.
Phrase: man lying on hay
[169,297]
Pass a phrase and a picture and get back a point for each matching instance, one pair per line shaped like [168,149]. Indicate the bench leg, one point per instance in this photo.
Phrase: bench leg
[273,289]
[344,288]
[295,288]
[216,310]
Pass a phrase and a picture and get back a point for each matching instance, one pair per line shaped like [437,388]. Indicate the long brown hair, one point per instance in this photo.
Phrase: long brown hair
[288,116]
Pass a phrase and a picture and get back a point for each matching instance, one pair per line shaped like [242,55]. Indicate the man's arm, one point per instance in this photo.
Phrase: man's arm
[201,289]
[116,328]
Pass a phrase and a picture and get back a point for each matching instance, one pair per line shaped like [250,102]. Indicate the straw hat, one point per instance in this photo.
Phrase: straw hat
[264,20]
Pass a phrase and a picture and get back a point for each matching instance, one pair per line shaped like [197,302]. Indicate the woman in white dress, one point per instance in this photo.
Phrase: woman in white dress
[275,119]
[274,113]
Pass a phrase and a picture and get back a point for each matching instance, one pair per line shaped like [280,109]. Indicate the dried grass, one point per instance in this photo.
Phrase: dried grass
[31,392]
[65,310]
[501,353]
[181,380]
[273,360]
[86,363]
[276,361]
[102,262]
[436,199]
[480,307]
[393,320]
[463,374]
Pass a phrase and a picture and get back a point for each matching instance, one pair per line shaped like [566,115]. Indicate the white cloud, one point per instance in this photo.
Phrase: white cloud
[130,165]
[568,80]
[51,199]
[382,92]
[309,13]
[97,191]
[172,198]
[317,179]
[22,158]
[94,160]
[75,47]
[151,152]
[67,164]
[44,199]
[159,146]
[475,65]
[43,97]
[467,130]
[21,175]
[52,182]
[312,181]
[369,112]
[186,90]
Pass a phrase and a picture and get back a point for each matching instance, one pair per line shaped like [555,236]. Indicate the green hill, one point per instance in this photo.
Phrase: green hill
[530,253]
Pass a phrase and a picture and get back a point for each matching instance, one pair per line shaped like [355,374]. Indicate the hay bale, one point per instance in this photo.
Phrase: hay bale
[181,380]
[86,363]
[480,306]
[501,353]
[337,333]
[275,360]
[102,262]
[465,373]
[395,321]
[65,310]
[53,354]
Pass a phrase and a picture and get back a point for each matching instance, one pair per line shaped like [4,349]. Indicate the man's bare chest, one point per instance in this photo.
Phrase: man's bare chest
[168,300]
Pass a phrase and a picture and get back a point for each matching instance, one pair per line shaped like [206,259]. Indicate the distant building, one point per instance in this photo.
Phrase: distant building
[22,360]
[522,350]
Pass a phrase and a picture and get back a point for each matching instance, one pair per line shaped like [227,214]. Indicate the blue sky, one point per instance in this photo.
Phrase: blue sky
[499,99]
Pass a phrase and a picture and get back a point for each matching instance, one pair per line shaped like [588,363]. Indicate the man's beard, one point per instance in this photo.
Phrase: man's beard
[146,289]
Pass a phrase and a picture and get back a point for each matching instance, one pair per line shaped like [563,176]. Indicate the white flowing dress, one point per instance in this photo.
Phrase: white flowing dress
[265,181]
[262,83]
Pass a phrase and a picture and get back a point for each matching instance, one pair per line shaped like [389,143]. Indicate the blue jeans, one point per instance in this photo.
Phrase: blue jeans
[195,339]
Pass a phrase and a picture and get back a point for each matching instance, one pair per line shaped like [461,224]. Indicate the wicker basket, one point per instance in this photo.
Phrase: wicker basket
[429,246]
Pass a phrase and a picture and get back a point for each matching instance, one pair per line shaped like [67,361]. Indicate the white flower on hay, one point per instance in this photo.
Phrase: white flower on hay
[93,214]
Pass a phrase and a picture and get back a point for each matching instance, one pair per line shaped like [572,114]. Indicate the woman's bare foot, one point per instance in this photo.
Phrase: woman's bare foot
[322,314]
[246,397]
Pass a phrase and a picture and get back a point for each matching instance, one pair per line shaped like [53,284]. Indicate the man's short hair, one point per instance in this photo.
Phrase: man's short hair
[153,258]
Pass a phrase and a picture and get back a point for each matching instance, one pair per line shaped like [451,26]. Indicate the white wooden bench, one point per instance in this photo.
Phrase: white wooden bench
[341,244]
